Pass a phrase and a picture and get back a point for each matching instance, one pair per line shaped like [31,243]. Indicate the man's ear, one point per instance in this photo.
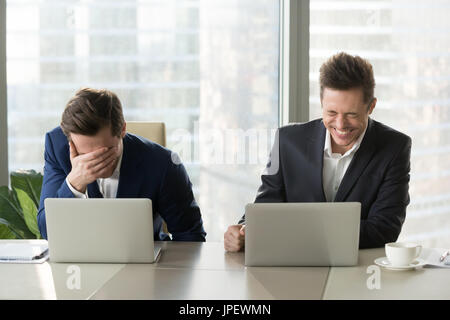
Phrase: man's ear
[124,130]
[372,105]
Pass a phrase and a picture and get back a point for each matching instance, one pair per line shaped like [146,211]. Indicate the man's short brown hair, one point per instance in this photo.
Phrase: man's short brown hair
[343,72]
[91,110]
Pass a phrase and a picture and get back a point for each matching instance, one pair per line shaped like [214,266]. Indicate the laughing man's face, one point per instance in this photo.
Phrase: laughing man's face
[345,115]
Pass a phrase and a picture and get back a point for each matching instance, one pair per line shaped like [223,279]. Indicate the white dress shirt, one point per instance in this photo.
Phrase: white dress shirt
[107,186]
[335,165]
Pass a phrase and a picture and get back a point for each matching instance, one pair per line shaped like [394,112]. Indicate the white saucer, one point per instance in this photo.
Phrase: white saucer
[384,262]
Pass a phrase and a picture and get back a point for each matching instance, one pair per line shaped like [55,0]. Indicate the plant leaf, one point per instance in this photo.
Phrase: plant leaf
[29,181]
[5,232]
[29,212]
[14,232]
[11,211]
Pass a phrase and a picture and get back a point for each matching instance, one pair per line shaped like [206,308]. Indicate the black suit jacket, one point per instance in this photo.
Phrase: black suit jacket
[377,177]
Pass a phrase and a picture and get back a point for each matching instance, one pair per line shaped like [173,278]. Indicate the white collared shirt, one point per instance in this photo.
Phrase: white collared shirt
[107,186]
[335,165]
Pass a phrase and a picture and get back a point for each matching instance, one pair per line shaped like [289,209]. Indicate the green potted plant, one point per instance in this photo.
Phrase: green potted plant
[19,206]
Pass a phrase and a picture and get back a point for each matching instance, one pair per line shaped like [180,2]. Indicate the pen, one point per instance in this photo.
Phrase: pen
[446,253]
[44,253]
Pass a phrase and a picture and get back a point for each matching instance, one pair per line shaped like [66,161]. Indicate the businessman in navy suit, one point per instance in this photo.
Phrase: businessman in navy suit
[345,156]
[91,156]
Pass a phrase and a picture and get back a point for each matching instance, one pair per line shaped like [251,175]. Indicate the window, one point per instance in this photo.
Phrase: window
[208,69]
[407,43]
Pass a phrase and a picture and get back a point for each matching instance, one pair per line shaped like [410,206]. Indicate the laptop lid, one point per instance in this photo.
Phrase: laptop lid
[100,230]
[302,234]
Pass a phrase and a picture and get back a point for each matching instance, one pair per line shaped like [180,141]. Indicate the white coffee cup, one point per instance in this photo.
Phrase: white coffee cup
[402,253]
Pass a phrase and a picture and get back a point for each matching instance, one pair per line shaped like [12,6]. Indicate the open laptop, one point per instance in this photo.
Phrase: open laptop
[100,230]
[302,234]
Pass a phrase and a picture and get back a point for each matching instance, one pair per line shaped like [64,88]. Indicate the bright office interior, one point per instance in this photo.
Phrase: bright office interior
[223,75]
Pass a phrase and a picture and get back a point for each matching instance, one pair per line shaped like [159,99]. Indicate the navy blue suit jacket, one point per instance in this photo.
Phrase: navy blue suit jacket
[377,177]
[147,171]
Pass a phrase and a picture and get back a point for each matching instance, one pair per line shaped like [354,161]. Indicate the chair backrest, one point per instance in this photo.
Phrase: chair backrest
[154,131]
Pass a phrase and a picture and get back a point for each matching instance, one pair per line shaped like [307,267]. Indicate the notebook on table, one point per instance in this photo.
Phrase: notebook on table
[23,253]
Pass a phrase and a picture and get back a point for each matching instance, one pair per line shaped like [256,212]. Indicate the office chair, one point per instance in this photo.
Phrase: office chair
[154,131]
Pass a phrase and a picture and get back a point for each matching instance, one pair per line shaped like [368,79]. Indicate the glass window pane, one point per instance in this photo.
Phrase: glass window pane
[200,66]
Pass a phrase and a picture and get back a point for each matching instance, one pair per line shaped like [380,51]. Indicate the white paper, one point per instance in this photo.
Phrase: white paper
[20,251]
[432,257]
[36,261]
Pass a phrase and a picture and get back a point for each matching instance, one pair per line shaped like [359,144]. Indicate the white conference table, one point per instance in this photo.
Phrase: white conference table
[204,271]
[422,283]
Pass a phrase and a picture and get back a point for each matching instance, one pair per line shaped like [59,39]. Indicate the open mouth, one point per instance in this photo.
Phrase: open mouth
[343,133]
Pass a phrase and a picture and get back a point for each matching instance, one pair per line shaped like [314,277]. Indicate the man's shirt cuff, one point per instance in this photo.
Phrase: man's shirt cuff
[76,193]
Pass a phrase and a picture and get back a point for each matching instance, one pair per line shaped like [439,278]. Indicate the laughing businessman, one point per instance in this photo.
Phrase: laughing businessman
[90,155]
[343,157]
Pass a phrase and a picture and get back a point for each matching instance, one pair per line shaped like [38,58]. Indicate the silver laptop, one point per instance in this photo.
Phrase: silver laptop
[302,234]
[100,230]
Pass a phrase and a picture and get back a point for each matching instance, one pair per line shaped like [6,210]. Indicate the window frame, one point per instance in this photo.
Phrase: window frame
[294,62]
[4,174]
